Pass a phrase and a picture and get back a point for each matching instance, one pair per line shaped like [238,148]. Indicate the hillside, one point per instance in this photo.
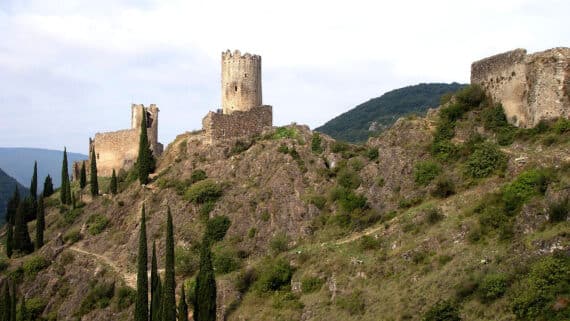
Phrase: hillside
[456,212]
[377,114]
[7,185]
[19,163]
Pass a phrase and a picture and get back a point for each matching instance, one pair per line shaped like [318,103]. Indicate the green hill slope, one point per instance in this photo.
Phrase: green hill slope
[355,124]
[7,185]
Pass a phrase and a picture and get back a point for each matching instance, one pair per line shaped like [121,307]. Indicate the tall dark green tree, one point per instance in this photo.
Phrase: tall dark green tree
[94,184]
[182,306]
[12,207]
[5,304]
[113,186]
[34,183]
[141,302]
[9,239]
[155,287]
[205,293]
[168,294]
[40,224]
[23,314]
[145,160]
[14,302]
[22,241]
[48,186]
[82,176]
[65,190]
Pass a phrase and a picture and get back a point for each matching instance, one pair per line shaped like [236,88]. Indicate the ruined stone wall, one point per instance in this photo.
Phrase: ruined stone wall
[218,126]
[531,88]
[116,150]
[152,124]
[241,82]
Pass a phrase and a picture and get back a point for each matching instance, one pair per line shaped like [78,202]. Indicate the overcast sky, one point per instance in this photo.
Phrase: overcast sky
[69,69]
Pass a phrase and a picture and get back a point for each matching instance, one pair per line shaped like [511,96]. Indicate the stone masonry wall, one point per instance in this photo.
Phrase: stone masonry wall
[218,126]
[241,82]
[116,150]
[531,88]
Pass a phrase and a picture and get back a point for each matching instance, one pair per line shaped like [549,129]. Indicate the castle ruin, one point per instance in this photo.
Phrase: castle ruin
[119,149]
[531,87]
[242,113]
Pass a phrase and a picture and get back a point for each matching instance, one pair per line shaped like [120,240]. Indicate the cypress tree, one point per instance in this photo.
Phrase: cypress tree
[205,293]
[93,174]
[145,159]
[141,303]
[82,176]
[34,183]
[6,304]
[22,241]
[9,240]
[48,187]
[65,190]
[168,295]
[23,313]
[155,287]
[40,224]
[14,302]
[182,306]
[113,186]
[12,207]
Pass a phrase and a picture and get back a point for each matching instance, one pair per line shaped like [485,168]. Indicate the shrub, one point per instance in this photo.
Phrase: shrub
[283,149]
[472,95]
[285,132]
[526,185]
[352,303]
[425,172]
[69,216]
[433,216]
[494,118]
[486,159]
[372,154]
[251,233]
[443,311]
[558,211]
[368,242]
[186,261]
[279,243]
[350,201]
[125,297]
[311,284]
[225,262]
[3,264]
[561,126]
[444,150]
[274,276]
[35,307]
[203,191]
[72,236]
[444,187]
[98,297]
[34,264]
[240,147]
[205,210]
[316,143]
[198,175]
[216,228]
[339,147]
[492,287]
[245,279]
[318,200]
[97,223]
[348,179]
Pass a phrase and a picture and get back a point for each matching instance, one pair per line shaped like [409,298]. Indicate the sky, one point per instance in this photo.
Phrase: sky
[69,69]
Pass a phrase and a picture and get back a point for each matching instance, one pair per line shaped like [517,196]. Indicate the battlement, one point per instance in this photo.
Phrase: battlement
[531,87]
[236,55]
[241,81]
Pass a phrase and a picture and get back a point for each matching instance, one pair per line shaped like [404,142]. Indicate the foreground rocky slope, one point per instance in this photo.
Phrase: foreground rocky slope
[457,206]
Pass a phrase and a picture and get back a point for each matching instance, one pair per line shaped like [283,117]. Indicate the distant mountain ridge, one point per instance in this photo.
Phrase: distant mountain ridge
[377,114]
[19,163]
[7,186]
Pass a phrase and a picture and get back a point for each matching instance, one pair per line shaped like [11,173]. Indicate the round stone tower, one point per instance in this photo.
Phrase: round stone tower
[241,81]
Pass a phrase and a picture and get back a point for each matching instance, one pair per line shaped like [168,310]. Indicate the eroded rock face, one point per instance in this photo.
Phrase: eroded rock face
[531,87]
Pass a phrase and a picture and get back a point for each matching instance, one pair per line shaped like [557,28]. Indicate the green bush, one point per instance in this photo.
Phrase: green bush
[425,172]
[125,297]
[251,233]
[279,243]
[372,154]
[217,227]
[35,307]
[443,311]
[311,284]
[352,303]
[285,132]
[283,149]
[561,126]
[72,236]
[368,242]
[34,264]
[472,95]
[547,281]
[245,279]
[239,147]
[318,200]
[348,179]
[559,211]
[205,210]
[70,215]
[433,216]
[274,276]
[98,297]
[316,143]
[444,150]
[225,262]
[494,118]
[97,223]
[339,147]
[349,201]
[486,159]
[526,185]
[186,261]
[203,191]
[492,287]
[198,175]
[444,187]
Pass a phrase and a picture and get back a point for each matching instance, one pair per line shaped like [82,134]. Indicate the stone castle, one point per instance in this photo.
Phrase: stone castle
[531,87]
[242,115]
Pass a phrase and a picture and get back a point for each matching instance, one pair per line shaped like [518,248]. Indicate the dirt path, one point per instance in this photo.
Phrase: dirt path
[129,278]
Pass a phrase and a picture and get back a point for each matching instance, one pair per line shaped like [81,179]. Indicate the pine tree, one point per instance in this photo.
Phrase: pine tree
[93,174]
[65,190]
[168,295]
[155,295]
[113,186]
[48,187]
[22,241]
[205,293]
[13,206]
[182,306]
[83,176]
[9,240]
[34,183]
[141,303]
[40,224]
[145,159]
